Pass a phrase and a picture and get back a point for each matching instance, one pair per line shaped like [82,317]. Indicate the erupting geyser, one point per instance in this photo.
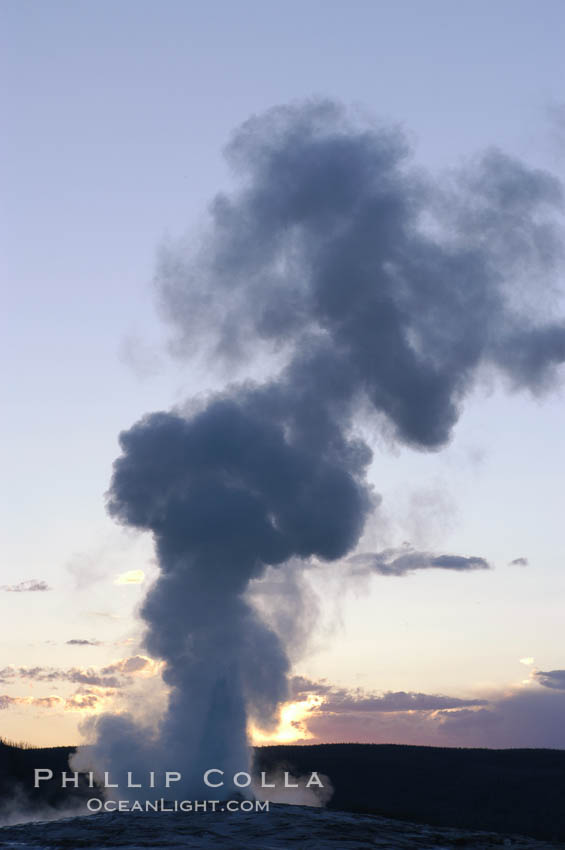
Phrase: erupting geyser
[381,293]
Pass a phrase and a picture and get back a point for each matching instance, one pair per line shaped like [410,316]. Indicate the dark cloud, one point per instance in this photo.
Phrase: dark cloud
[529,717]
[396,701]
[342,701]
[112,676]
[551,679]
[83,642]
[399,562]
[301,687]
[29,586]
[376,291]
[90,677]
[51,674]
[519,562]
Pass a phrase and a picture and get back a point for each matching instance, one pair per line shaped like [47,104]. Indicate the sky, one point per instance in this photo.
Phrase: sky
[116,117]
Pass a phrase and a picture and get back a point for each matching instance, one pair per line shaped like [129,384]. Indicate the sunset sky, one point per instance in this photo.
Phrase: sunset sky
[115,118]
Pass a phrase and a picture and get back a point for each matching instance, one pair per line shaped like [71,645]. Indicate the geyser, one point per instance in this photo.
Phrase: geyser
[382,294]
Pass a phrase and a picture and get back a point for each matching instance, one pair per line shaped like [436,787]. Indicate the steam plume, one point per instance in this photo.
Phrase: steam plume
[379,293]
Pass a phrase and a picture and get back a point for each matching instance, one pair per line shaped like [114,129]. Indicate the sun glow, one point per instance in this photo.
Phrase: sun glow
[292,724]
[130,577]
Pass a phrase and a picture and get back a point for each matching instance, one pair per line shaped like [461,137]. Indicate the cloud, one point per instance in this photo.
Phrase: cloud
[30,586]
[83,642]
[395,701]
[38,702]
[301,687]
[96,687]
[76,675]
[113,675]
[551,679]
[524,717]
[519,562]
[136,664]
[336,700]
[82,700]
[530,717]
[88,699]
[400,562]
[89,677]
